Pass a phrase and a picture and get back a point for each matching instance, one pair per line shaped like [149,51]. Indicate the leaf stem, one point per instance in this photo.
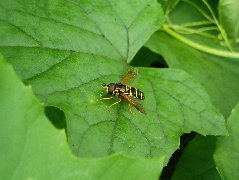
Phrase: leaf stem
[201,31]
[197,23]
[200,47]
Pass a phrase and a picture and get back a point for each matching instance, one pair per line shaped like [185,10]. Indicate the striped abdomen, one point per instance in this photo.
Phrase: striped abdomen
[131,91]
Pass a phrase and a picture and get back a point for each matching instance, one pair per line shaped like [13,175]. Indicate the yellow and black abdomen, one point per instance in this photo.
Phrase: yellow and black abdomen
[131,91]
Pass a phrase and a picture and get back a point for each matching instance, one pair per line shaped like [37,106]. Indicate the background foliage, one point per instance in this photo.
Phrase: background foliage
[63,50]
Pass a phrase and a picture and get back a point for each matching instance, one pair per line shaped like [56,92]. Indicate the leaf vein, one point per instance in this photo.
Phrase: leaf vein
[95,22]
[24,32]
[78,86]
[84,133]
[144,135]
[157,110]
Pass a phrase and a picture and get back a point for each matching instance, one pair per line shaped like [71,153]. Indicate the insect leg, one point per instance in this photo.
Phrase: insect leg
[106,98]
[130,109]
[115,103]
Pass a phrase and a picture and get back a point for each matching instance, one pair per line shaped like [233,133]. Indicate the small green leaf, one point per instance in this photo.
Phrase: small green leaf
[229,17]
[226,155]
[196,161]
[32,148]
[188,11]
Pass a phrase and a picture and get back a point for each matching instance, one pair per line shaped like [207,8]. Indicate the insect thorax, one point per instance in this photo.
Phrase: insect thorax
[115,88]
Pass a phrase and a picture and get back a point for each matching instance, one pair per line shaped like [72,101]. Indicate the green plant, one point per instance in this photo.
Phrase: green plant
[65,49]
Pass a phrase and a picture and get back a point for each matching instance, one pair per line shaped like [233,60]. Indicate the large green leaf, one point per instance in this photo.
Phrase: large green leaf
[226,155]
[32,148]
[65,50]
[229,17]
[219,76]
[196,161]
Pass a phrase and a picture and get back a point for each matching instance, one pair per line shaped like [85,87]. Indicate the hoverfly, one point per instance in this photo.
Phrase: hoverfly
[125,92]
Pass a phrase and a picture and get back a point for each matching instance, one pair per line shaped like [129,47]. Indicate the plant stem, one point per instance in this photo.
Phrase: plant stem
[197,23]
[200,47]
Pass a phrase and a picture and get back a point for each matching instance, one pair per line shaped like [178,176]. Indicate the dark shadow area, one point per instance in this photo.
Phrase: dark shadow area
[147,58]
[56,116]
[169,169]
[160,63]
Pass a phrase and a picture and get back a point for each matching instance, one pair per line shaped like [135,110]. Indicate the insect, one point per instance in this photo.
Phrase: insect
[125,92]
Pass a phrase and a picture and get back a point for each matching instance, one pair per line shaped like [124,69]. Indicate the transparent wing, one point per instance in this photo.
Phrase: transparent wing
[130,76]
[134,102]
